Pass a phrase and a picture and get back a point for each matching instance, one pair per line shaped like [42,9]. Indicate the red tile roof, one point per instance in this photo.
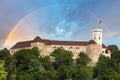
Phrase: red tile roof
[22,44]
[104,46]
[52,42]
[91,42]
[37,39]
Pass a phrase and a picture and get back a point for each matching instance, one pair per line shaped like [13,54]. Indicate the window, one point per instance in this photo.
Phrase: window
[77,49]
[71,49]
[99,38]
[62,47]
[94,38]
[102,51]
[54,47]
[11,51]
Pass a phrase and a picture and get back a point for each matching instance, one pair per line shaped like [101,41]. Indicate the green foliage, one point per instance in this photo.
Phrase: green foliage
[46,62]
[82,59]
[82,72]
[113,48]
[27,64]
[62,57]
[64,73]
[115,52]
[20,63]
[106,69]
[3,73]
[35,51]
[24,76]
[5,55]
[116,56]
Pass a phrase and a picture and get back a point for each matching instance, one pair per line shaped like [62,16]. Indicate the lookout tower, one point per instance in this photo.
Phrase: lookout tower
[97,36]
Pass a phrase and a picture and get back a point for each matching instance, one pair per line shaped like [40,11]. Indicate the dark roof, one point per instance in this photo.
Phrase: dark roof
[103,46]
[51,42]
[47,42]
[37,39]
[91,42]
[22,44]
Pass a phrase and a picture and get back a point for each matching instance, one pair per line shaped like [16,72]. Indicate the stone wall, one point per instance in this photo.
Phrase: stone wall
[93,51]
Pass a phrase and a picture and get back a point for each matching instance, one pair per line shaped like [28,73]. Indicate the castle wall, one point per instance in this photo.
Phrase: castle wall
[93,51]
[47,49]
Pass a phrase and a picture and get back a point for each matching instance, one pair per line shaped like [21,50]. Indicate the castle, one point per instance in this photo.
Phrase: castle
[93,48]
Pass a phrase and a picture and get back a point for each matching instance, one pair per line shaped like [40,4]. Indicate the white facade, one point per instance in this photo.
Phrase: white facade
[97,36]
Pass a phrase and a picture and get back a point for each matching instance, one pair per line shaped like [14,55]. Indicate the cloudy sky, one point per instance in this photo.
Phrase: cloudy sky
[58,19]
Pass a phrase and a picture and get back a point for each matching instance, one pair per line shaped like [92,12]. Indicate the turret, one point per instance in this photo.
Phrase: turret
[97,36]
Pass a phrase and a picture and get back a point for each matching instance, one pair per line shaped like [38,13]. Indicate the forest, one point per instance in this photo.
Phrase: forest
[28,64]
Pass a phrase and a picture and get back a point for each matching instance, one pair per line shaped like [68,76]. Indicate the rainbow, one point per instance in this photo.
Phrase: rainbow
[10,34]
[16,26]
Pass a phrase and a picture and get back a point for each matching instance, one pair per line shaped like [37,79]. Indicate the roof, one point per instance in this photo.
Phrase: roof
[52,42]
[37,39]
[22,44]
[91,42]
[104,46]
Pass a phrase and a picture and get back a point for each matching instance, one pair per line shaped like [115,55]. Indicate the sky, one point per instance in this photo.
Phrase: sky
[72,20]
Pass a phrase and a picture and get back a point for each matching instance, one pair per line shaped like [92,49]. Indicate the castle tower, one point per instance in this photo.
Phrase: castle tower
[97,36]
[94,50]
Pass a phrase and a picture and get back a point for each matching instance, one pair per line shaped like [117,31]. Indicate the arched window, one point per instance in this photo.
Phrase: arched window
[71,49]
[62,47]
[54,47]
[94,36]
[77,49]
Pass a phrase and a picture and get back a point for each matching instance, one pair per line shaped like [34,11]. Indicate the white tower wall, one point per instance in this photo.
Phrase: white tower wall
[97,36]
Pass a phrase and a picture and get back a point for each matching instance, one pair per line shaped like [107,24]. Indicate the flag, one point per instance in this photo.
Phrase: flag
[100,21]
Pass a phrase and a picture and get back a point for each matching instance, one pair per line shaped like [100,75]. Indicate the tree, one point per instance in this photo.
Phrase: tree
[82,59]
[115,52]
[46,62]
[113,48]
[20,63]
[3,73]
[36,70]
[62,57]
[64,73]
[5,55]
[11,69]
[109,74]
[35,51]
[106,69]
[82,72]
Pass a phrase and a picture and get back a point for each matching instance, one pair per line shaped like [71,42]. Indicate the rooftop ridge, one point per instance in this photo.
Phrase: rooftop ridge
[52,42]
